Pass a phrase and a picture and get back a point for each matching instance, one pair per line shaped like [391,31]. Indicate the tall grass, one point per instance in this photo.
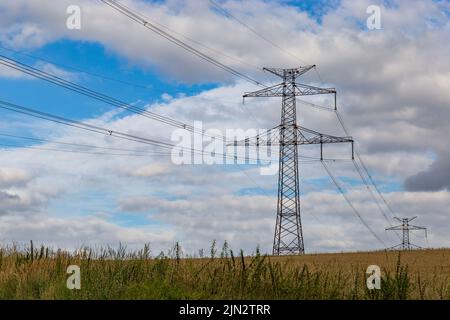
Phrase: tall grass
[107,273]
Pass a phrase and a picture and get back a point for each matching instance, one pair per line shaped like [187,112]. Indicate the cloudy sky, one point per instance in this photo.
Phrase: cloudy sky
[393,89]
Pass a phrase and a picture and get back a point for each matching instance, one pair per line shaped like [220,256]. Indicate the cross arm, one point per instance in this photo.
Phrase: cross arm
[305,90]
[305,136]
[273,91]
[278,90]
[295,71]
[412,227]
[395,228]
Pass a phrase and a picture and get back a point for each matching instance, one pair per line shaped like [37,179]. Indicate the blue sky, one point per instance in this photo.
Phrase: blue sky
[144,84]
[93,57]
[135,194]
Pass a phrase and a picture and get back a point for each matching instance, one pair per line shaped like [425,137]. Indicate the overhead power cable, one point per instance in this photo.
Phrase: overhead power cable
[115,134]
[355,211]
[137,17]
[14,64]
[15,146]
[228,14]
[97,129]
[271,42]
[362,170]
[219,52]
[313,105]
[97,75]
[364,180]
[364,167]
[79,145]
[79,70]
[82,125]
[109,132]
[89,146]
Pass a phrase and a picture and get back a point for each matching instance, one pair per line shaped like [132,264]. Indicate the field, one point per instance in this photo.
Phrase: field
[40,273]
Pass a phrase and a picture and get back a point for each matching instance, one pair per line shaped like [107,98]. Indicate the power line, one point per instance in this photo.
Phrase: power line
[103,131]
[229,15]
[65,66]
[358,169]
[197,42]
[143,20]
[75,144]
[140,111]
[364,167]
[288,235]
[99,75]
[14,64]
[341,121]
[82,152]
[360,173]
[116,134]
[258,186]
[26,54]
[318,74]
[81,125]
[313,105]
[406,227]
[113,133]
[356,212]
[147,24]
[139,152]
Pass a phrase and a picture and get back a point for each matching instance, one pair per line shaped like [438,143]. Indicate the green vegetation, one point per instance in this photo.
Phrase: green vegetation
[40,273]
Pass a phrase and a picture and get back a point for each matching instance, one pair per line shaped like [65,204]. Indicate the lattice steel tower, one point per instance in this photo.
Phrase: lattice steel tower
[406,227]
[288,237]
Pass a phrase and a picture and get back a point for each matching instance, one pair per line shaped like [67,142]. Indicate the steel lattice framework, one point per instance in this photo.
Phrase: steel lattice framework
[406,227]
[288,135]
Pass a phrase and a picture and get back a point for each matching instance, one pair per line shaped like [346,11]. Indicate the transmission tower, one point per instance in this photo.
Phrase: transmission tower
[288,238]
[406,227]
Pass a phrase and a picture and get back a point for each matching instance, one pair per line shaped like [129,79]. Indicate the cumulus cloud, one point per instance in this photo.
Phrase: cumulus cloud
[393,89]
[150,170]
[4,196]
[74,233]
[11,73]
[12,176]
[434,178]
[7,72]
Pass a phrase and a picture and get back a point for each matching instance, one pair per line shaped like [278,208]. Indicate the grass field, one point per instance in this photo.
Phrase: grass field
[119,274]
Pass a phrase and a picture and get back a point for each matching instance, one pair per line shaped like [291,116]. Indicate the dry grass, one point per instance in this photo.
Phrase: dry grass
[120,274]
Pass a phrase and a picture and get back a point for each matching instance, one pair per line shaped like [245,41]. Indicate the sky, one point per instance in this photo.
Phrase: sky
[393,87]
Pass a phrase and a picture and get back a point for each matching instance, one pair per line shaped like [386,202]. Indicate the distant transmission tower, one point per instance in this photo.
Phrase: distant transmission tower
[288,135]
[406,227]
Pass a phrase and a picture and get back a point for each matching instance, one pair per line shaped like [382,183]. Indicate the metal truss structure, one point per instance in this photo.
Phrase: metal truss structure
[288,238]
[406,227]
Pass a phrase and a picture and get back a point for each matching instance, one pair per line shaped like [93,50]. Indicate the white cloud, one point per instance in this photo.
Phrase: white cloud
[56,71]
[74,233]
[8,72]
[12,176]
[393,89]
[150,170]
